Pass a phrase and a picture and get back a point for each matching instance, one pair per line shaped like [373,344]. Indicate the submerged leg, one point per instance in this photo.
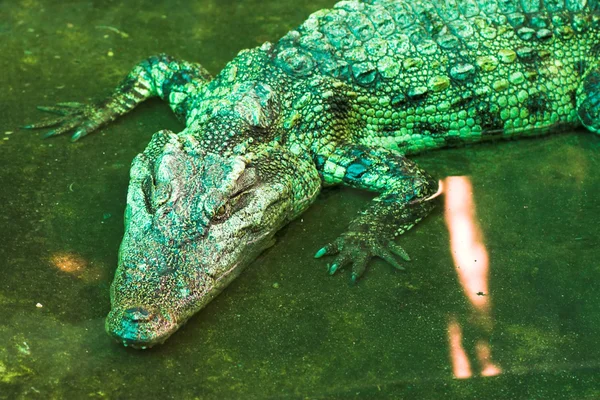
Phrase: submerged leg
[172,80]
[403,201]
[588,100]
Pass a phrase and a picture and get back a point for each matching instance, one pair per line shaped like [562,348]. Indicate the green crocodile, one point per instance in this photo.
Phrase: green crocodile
[340,100]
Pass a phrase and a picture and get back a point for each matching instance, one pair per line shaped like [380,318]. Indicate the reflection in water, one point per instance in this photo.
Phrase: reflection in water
[74,264]
[461,367]
[472,266]
[69,263]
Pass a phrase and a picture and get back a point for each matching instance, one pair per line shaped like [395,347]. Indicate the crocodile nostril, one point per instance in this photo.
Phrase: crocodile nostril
[138,314]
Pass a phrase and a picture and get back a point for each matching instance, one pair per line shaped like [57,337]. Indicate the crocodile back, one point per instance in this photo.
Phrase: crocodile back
[447,72]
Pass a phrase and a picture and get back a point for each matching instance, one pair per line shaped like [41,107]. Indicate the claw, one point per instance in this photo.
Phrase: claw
[78,135]
[331,248]
[340,262]
[359,267]
[50,134]
[321,252]
[333,268]
[396,249]
[53,110]
[46,123]
[70,104]
[67,126]
[389,257]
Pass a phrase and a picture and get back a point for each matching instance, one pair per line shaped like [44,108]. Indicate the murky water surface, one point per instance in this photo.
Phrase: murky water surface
[523,310]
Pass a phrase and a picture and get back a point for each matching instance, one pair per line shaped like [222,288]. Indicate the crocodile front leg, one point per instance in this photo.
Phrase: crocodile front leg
[403,201]
[172,80]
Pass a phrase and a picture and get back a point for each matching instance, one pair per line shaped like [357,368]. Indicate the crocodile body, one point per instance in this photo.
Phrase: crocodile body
[340,100]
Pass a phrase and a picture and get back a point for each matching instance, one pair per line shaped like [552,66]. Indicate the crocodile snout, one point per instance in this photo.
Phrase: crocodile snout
[139,327]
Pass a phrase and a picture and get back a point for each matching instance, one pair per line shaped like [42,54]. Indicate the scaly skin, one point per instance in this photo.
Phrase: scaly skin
[340,100]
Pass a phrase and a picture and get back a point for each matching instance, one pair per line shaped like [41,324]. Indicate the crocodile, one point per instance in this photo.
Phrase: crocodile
[341,100]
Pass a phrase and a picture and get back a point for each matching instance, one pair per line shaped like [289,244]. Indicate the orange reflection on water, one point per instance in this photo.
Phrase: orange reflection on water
[75,265]
[471,262]
[69,262]
[466,241]
[458,356]
[484,355]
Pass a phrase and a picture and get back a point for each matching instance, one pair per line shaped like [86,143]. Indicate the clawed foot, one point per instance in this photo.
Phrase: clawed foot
[81,117]
[358,248]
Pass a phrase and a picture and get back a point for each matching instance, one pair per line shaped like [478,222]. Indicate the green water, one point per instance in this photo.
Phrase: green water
[284,329]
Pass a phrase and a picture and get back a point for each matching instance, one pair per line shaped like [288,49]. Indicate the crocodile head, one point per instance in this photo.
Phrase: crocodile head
[193,220]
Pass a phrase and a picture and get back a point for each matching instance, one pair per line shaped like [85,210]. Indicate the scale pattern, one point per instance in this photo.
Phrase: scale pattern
[427,74]
[340,100]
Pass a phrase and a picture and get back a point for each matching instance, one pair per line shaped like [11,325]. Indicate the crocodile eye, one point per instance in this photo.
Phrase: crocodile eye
[221,212]
[162,193]
[148,191]
[240,201]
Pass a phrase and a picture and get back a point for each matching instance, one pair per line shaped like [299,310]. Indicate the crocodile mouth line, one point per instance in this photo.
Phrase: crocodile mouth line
[226,274]
[144,345]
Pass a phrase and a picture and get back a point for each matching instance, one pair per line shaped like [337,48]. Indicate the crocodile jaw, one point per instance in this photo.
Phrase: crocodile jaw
[148,312]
